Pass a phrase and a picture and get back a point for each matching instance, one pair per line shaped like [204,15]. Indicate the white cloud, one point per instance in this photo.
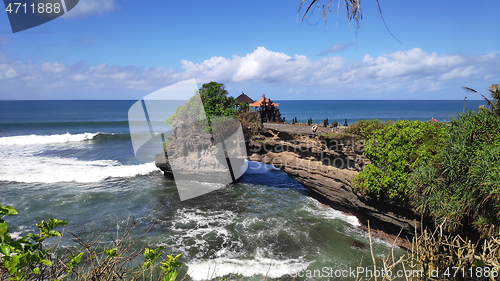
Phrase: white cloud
[459,72]
[266,66]
[414,62]
[263,65]
[219,67]
[91,7]
[54,67]
[405,71]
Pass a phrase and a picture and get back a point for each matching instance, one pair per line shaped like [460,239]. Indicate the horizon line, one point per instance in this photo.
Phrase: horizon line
[1,100]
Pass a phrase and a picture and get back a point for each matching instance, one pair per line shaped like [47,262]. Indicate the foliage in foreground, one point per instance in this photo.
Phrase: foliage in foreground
[462,188]
[28,259]
[439,256]
[394,152]
[24,257]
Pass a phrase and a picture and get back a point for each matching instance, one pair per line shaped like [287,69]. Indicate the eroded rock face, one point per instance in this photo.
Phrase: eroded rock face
[190,151]
[326,166]
[194,154]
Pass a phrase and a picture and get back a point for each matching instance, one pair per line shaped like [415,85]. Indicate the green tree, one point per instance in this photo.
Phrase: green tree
[244,107]
[215,100]
[22,258]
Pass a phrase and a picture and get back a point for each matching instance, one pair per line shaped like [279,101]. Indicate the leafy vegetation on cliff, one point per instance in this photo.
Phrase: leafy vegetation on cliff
[449,172]
[394,152]
[365,128]
[462,187]
[214,102]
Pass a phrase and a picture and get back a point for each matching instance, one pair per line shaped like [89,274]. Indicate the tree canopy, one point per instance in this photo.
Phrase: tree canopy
[215,100]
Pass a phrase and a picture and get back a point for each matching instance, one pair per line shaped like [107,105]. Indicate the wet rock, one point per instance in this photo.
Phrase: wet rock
[358,245]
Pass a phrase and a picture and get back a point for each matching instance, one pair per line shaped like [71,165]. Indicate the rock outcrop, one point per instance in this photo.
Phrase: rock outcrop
[195,154]
[326,164]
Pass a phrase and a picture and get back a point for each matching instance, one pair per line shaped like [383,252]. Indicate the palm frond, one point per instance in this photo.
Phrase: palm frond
[495,96]
[353,8]
[490,103]
[383,20]
[469,89]
[308,8]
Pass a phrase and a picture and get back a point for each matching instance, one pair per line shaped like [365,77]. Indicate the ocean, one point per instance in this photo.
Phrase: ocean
[339,111]
[73,160]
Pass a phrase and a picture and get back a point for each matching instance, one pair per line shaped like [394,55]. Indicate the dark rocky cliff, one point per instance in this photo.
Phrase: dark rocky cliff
[326,165]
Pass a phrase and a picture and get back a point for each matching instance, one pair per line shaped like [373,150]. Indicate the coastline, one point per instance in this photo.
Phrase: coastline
[307,157]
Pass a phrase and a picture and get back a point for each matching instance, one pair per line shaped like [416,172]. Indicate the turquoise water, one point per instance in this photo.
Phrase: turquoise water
[74,160]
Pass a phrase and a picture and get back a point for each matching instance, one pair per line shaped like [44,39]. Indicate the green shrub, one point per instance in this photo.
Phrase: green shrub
[24,257]
[365,128]
[28,258]
[244,107]
[394,152]
[190,112]
[462,187]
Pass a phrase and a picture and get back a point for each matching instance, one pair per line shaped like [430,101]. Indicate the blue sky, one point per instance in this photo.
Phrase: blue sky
[125,49]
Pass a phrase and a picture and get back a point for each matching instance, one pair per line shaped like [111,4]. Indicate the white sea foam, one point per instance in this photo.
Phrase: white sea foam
[195,225]
[190,229]
[361,233]
[55,169]
[272,268]
[46,139]
[21,161]
[18,234]
[323,211]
